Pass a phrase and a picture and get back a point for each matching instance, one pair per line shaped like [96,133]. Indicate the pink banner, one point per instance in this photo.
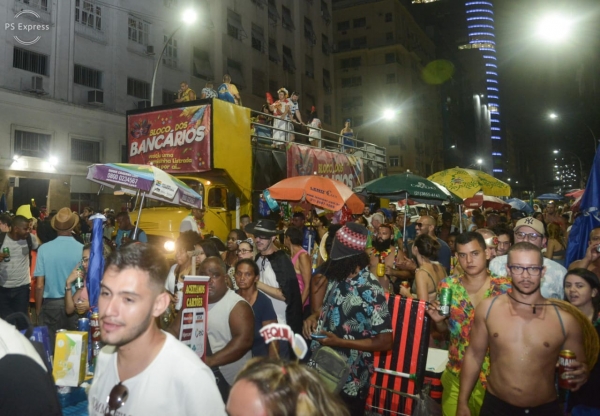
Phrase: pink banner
[305,160]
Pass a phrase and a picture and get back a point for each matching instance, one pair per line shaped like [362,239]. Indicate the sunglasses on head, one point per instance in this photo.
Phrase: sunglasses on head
[117,398]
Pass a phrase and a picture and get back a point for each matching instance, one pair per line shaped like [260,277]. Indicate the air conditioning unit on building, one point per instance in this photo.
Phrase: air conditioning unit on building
[143,104]
[37,84]
[149,50]
[95,97]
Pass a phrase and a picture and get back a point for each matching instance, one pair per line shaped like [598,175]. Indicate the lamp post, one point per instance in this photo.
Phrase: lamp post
[554,116]
[188,17]
[554,28]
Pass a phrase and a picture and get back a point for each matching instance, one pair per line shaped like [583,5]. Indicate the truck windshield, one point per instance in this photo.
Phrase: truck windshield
[194,184]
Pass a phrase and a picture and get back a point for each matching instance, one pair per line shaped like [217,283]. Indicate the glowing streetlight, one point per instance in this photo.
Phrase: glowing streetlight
[389,114]
[554,28]
[552,116]
[187,18]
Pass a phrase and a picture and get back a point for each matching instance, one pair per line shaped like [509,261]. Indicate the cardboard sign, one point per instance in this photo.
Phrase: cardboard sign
[194,319]
[70,358]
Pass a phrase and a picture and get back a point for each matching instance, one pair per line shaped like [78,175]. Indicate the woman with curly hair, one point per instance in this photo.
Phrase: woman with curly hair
[276,388]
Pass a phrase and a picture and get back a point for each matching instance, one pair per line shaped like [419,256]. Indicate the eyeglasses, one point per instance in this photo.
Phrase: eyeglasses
[421,224]
[262,237]
[531,270]
[117,398]
[242,251]
[528,236]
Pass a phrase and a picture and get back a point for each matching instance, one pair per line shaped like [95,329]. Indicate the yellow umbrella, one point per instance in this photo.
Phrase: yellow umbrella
[467,182]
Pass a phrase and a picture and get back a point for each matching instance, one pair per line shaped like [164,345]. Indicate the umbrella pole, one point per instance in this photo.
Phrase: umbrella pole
[135,230]
[460,218]
[406,212]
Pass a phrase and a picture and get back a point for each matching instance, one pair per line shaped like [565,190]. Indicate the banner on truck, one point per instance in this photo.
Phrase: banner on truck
[305,160]
[176,140]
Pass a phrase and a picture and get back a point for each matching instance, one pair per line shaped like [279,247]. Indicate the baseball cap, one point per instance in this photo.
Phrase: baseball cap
[531,222]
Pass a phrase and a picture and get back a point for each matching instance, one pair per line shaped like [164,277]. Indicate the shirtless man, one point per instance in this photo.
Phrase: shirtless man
[591,261]
[383,250]
[524,333]
[469,289]
[552,216]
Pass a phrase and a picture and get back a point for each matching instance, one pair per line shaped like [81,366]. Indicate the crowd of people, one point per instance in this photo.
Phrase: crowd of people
[513,308]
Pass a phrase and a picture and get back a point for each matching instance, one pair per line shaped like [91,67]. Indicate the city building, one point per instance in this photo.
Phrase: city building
[380,54]
[66,85]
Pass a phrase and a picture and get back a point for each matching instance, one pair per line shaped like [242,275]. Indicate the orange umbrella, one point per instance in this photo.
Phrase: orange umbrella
[320,191]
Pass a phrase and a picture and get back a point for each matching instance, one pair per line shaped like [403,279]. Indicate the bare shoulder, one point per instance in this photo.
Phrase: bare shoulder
[486,304]
[570,322]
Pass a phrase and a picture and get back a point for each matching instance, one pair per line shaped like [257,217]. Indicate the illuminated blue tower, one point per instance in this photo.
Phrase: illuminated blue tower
[480,28]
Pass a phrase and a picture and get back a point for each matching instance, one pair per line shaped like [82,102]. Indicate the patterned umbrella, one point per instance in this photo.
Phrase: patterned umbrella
[467,182]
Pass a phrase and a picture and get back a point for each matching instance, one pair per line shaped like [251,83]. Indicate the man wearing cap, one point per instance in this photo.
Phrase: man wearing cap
[354,319]
[277,277]
[55,261]
[14,273]
[532,230]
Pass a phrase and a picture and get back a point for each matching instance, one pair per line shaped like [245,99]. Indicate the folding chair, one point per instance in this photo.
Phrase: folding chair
[400,372]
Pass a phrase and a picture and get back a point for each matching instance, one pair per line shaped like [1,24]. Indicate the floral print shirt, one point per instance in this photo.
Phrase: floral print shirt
[355,309]
[461,318]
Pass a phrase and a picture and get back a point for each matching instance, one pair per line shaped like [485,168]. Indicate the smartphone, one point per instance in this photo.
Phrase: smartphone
[318,336]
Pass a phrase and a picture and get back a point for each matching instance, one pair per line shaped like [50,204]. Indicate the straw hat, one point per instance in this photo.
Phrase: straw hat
[64,220]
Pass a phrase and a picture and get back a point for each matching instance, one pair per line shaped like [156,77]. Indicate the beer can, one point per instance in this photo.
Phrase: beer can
[565,363]
[6,252]
[83,324]
[95,327]
[405,283]
[445,301]
[380,269]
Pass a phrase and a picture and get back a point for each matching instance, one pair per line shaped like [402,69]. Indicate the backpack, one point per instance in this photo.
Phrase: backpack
[29,244]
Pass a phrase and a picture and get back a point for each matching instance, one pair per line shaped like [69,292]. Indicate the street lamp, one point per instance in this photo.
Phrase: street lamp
[188,17]
[479,162]
[389,114]
[554,116]
[554,28]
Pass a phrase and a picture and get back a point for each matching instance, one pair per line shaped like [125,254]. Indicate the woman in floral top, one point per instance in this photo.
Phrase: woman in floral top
[468,290]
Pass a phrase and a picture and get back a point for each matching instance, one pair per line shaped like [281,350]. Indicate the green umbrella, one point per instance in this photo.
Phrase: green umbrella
[403,186]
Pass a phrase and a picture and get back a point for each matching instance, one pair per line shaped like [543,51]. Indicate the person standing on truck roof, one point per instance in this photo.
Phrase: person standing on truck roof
[208,91]
[185,93]
[281,110]
[229,92]
[296,118]
[193,222]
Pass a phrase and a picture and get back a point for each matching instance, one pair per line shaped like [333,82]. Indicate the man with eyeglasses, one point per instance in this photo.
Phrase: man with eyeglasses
[14,274]
[591,261]
[143,370]
[532,230]
[524,334]
[277,278]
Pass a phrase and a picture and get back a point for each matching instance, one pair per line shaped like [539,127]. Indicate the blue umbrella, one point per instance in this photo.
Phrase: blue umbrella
[96,265]
[549,197]
[519,204]
[583,225]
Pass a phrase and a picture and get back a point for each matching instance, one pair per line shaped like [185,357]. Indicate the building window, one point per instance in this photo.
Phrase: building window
[168,97]
[394,161]
[170,55]
[326,81]
[234,69]
[349,103]
[286,19]
[351,62]
[390,58]
[327,114]
[30,61]
[85,151]
[273,54]
[87,77]
[38,4]
[361,22]
[288,60]
[325,46]
[394,141]
[258,38]
[138,30]
[325,12]
[32,144]
[390,78]
[88,14]
[389,36]
[202,67]
[309,32]
[344,45]
[351,82]
[137,88]
[310,66]
[273,85]
[360,43]
[234,25]
[388,17]
[357,121]
[273,13]
[343,25]
[259,85]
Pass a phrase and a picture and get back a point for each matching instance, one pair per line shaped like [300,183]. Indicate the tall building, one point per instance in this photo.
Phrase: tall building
[380,54]
[65,87]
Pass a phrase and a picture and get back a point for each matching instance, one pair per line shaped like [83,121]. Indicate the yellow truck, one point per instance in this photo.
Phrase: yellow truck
[214,147]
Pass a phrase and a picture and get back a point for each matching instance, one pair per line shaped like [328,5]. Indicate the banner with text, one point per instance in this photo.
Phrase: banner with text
[175,140]
[194,324]
[305,160]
